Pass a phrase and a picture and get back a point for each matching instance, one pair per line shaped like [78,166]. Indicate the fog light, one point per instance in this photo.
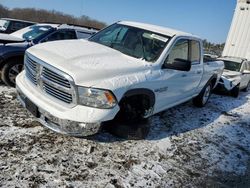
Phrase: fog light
[82,125]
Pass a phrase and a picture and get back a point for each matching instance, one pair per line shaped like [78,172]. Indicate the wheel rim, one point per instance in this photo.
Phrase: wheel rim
[206,94]
[14,71]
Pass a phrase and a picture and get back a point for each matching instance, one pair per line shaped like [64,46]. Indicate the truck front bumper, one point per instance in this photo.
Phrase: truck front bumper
[77,121]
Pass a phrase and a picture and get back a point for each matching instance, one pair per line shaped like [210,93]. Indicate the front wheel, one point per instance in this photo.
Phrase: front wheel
[202,99]
[10,71]
[130,122]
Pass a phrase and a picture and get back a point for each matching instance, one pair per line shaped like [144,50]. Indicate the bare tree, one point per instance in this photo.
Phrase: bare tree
[40,15]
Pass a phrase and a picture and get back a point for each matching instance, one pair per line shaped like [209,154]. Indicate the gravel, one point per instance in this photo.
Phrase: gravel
[186,147]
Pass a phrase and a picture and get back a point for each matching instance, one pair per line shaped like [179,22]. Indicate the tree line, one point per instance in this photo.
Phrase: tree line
[215,49]
[41,15]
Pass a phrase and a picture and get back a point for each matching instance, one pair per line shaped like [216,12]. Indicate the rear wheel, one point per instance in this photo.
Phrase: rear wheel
[10,71]
[202,99]
[235,91]
[247,88]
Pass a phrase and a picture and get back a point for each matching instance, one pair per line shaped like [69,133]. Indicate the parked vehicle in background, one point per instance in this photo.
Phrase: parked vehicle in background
[124,73]
[8,25]
[13,46]
[210,57]
[235,77]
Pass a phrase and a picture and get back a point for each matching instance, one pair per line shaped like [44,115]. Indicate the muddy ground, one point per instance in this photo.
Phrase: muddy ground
[186,147]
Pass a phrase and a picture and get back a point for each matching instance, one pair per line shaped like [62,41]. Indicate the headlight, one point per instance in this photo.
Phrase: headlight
[96,98]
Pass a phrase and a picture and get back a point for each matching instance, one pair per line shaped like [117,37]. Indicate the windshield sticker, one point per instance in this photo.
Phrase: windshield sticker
[43,29]
[158,37]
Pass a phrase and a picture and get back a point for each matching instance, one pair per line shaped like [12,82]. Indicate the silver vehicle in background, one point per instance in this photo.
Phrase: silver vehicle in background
[235,77]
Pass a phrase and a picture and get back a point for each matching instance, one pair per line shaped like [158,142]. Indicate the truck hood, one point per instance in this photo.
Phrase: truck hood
[230,74]
[88,63]
[6,38]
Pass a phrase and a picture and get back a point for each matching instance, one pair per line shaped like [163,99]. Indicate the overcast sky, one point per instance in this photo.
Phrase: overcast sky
[209,19]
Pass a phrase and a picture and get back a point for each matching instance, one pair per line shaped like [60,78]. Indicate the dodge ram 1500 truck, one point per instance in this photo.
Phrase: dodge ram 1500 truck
[126,72]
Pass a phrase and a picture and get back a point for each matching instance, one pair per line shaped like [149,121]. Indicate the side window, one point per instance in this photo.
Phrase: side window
[83,35]
[16,26]
[244,66]
[248,66]
[26,24]
[61,35]
[195,51]
[179,51]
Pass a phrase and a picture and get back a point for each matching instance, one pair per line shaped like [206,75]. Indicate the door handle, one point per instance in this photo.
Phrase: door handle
[183,75]
[199,72]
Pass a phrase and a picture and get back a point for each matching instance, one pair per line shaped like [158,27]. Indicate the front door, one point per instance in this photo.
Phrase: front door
[176,86]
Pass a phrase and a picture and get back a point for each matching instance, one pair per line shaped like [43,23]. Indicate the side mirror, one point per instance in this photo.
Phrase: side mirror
[179,64]
[246,72]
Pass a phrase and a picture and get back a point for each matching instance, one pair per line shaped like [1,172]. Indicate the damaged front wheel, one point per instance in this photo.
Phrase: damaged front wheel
[131,122]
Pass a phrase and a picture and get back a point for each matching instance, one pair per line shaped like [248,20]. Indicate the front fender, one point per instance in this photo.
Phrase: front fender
[229,84]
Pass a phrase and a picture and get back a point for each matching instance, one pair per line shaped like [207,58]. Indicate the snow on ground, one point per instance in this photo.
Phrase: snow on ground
[187,146]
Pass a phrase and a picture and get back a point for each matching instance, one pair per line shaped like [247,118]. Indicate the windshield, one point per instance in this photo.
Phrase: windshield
[32,32]
[132,41]
[4,24]
[232,66]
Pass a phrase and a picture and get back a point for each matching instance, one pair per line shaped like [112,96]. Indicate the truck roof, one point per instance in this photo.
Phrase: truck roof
[158,29]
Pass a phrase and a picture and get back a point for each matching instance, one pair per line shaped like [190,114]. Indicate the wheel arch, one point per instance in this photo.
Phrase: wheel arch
[213,80]
[7,57]
[141,91]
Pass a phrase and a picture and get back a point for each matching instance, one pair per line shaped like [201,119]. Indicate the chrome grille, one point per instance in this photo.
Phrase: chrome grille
[54,77]
[63,96]
[50,80]
[31,70]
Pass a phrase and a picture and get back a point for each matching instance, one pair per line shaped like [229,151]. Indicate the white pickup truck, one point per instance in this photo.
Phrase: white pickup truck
[126,72]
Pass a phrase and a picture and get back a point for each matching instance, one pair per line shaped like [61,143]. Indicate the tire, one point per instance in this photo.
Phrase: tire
[202,99]
[10,70]
[247,88]
[129,123]
[235,91]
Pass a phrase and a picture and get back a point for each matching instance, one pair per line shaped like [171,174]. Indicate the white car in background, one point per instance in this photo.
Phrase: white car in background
[235,77]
